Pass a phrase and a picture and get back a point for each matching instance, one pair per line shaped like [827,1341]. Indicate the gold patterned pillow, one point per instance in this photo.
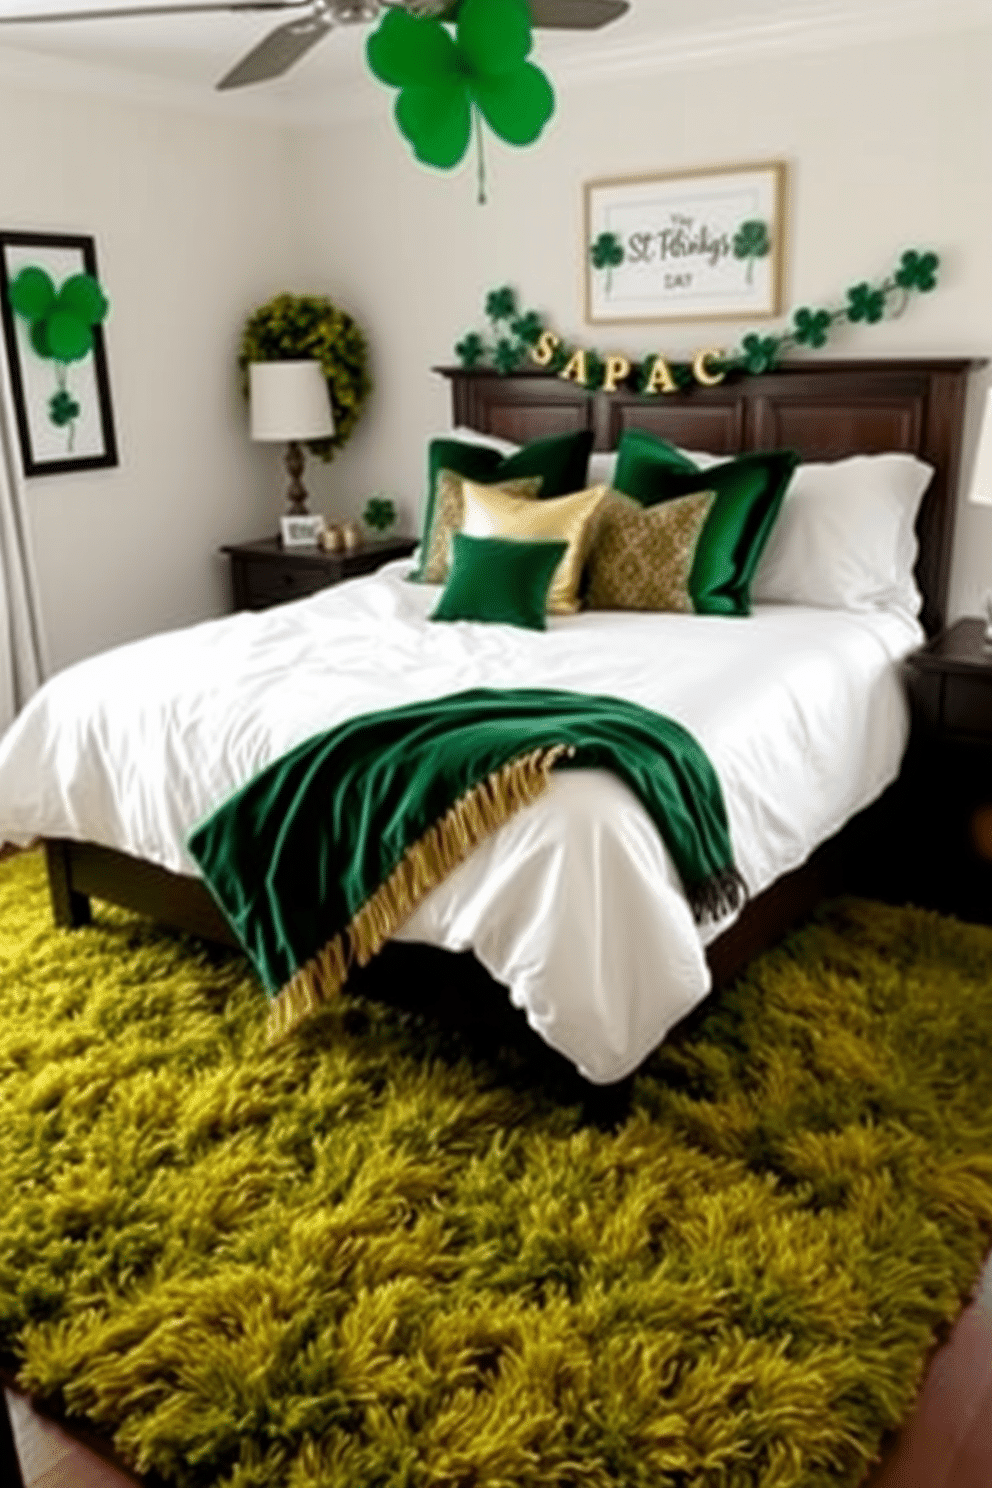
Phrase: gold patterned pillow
[449,514]
[642,556]
[490,512]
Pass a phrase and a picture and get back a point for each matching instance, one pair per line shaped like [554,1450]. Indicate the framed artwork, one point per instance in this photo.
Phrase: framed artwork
[301,532]
[55,351]
[698,245]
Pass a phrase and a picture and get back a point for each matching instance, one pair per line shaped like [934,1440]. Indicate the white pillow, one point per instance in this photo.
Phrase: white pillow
[488,441]
[844,537]
[601,468]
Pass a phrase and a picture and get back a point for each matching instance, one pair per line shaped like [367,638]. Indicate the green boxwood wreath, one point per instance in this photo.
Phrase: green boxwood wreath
[295,327]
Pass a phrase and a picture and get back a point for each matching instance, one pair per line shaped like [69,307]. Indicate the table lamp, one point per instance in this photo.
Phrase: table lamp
[290,402]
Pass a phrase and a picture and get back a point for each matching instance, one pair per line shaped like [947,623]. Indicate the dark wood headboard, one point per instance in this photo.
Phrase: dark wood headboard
[824,409]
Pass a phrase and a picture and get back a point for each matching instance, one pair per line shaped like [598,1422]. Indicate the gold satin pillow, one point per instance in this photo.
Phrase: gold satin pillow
[642,556]
[449,513]
[570,519]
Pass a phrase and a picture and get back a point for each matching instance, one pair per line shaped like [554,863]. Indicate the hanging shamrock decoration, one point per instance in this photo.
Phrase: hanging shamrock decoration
[522,336]
[607,253]
[751,241]
[447,81]
[61,326]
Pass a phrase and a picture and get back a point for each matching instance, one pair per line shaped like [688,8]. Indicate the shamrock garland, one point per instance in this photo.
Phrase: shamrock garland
[448,82]
[61,325]
[516,333]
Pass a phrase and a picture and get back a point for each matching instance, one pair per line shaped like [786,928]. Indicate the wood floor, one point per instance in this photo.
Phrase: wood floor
[946,1444]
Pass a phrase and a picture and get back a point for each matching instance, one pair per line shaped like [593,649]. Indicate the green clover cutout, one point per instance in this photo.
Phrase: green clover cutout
[446,80]
[917,271]
[751,241]
[379,513]
[607,253]
[61,322]
[470,349]
[865,303]
[62,408]
[501,304]
[812,327]
[508,355]
[528,328]
[760,353]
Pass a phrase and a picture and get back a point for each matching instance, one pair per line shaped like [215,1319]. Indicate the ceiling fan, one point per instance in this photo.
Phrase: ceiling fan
[277,52]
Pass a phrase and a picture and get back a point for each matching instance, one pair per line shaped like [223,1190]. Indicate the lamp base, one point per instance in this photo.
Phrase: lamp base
[296,495]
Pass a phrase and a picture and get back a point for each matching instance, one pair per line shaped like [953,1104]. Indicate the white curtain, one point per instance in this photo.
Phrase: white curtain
[22,646]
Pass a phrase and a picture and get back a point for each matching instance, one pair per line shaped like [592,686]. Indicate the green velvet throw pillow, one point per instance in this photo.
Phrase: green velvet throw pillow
[500,580]
[561,461]
[749,493]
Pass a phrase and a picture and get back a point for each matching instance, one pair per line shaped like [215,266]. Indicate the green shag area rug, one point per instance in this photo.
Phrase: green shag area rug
[374,1257]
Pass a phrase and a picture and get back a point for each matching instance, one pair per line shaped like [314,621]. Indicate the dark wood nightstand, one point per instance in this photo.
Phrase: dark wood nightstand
[264,573]
[948,769]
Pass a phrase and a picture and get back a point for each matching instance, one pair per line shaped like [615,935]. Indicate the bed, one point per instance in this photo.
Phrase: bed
[825,410]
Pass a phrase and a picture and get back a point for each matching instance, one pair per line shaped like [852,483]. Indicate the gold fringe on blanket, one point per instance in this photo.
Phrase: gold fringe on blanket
[473,817]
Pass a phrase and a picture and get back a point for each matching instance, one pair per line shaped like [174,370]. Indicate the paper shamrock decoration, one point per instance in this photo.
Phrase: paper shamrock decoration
[865,303]
[379,513]
[446,81]
[60,325]
[751,241]
[811,327]
[607,253]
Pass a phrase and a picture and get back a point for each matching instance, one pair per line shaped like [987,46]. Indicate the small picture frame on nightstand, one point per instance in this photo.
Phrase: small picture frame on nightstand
[301,532]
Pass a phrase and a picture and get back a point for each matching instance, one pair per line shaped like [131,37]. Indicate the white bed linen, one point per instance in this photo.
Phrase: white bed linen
[575,904]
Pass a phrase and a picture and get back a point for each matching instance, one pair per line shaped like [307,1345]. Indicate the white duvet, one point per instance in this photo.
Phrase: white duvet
[575,904]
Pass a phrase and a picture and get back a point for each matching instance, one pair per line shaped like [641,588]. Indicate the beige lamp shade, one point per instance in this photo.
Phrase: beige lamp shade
[289,400]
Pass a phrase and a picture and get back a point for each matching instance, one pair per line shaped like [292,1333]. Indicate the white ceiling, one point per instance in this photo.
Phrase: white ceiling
[191,52]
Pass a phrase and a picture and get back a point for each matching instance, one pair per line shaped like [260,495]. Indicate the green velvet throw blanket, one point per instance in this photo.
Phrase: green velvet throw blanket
[321,857]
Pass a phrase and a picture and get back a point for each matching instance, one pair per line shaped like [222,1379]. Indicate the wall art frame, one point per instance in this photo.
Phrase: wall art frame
[705,244]
[87,440]
[302,531]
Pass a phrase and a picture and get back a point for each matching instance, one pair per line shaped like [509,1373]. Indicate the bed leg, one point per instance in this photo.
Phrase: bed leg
[10,1467]
[70,909]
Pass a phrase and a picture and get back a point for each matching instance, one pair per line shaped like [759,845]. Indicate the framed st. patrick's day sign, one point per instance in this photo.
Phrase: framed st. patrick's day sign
[52,307]
[700,245]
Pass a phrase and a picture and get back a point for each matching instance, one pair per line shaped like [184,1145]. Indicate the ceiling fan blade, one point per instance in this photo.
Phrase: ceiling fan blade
[190,8]
[577,15]
[277,52]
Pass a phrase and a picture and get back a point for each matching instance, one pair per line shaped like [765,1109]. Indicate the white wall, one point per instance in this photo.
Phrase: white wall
[198,218]
[192,216]
[887,146]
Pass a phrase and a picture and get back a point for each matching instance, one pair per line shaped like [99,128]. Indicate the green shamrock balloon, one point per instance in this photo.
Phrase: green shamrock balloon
[61,322]
[32,294]
[444,79]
